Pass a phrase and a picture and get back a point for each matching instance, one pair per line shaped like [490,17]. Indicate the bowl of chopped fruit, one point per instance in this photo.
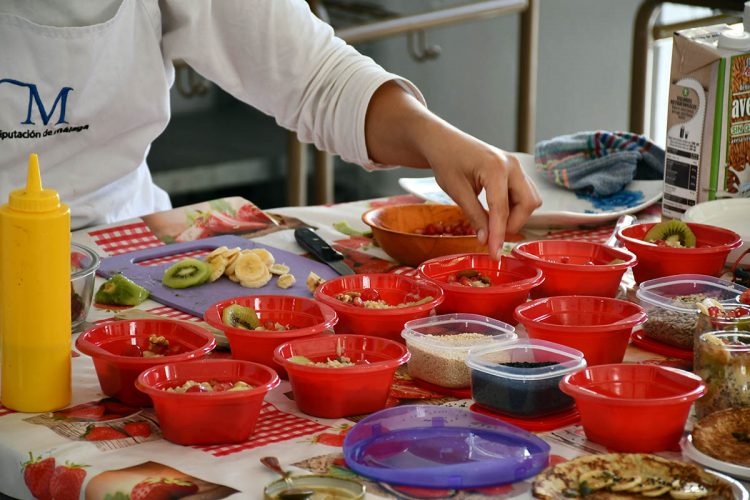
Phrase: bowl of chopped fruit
[414,233]
[121,350]
[478,284]
[378,304]
[256,325]
[208,401]
[574,267]
[341,375]
[675,247]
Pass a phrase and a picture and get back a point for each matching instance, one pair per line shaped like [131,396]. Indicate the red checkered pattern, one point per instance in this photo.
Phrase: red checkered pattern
[126,238]
[173,258]
[5,411]
[273,426]
[164,311]
[598,235]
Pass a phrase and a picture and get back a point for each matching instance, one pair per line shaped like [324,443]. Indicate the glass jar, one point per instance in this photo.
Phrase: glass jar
[722,359]
[705,323]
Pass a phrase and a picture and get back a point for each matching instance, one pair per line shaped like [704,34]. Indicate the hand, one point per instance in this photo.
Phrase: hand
[400,131]
[463,166]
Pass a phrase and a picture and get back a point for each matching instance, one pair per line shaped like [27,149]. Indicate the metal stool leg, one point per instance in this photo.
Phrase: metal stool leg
[296,194]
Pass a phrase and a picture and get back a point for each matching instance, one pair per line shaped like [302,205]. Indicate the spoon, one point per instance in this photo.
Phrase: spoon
[290,493]
[624,221]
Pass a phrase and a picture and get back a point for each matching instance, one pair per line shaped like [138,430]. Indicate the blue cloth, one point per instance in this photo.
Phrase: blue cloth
[599,163]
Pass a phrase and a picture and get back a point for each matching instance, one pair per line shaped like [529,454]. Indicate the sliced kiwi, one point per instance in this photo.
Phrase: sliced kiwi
[186,273]
[240,317]
[674,233]
[120,291]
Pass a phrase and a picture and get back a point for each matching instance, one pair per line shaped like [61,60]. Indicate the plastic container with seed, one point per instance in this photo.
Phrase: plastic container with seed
[440,345]
[670,304]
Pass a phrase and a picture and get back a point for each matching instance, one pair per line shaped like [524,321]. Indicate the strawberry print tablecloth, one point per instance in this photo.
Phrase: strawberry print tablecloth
[131,458]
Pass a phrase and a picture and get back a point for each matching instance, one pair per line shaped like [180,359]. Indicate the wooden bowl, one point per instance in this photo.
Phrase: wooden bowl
[393,228]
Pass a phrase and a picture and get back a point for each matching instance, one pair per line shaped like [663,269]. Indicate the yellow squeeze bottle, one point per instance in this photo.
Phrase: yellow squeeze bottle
[35,298]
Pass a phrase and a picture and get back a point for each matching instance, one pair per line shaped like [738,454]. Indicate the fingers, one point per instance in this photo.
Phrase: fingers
[523,197]
[463,193]
[495,182]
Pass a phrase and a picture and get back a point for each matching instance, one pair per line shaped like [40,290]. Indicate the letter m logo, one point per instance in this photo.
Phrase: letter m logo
[36,100]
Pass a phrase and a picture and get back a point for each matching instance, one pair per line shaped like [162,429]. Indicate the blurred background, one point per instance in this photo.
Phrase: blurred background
[468,71]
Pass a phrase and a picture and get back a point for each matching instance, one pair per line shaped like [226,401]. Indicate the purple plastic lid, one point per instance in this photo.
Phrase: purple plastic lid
[442,447]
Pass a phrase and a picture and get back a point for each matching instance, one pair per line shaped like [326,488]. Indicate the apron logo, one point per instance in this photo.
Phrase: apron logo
[36,100]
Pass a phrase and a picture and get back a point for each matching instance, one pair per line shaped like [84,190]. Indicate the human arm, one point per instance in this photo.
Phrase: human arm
[400,130]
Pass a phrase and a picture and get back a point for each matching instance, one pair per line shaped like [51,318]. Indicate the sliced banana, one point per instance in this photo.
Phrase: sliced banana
[216,252]
[258,282]
[233,278]
[218,266]
[279,269]
[313,281]
[250,268]
[286,280]
[265,256]
[232,253]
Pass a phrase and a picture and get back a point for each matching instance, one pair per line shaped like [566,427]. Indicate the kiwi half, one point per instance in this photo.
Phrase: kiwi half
[119,290]
[186,273]
[240,317]
[674,233]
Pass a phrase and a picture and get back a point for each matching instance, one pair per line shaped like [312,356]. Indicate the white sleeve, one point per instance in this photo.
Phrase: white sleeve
[278,57]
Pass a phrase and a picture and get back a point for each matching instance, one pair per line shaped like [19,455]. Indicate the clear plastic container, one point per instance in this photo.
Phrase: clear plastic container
[522,378]
[722,359]
[673,318]
[439,346]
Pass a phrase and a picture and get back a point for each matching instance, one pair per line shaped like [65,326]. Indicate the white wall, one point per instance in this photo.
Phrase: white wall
[583,82]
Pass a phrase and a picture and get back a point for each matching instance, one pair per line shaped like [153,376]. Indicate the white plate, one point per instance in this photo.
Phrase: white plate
[561,208]
[730,213]
[691,452]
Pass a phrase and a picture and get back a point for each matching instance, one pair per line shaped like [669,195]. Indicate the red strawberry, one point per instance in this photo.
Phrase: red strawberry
[102,433]
[37,474]
[138,429]
[162,488]
[745,297]
[66,481]
[88,411]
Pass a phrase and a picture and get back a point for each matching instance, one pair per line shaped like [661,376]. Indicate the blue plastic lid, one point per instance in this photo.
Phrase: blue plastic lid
[442,447]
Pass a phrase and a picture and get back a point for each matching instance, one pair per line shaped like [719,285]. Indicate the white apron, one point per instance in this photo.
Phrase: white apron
[89,100]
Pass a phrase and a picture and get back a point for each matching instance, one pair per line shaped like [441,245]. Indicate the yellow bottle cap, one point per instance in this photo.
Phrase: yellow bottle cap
[34,198]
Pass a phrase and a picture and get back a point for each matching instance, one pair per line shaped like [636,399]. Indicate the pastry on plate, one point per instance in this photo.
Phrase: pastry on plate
[628,475]
[725,435]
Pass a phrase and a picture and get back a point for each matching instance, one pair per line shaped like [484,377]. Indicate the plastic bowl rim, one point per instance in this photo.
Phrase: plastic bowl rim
[576,362]
[737,242]
[224,396]
[437,298]
[637,318]
[646,294]
[89,348]
[95,261]
[366,218]
[356,369]
[503,331]
[359,495]
[330,317]
[522,253]
[516,286]
[576,391]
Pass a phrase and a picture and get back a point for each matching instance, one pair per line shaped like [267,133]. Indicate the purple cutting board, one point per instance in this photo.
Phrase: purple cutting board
[195,300]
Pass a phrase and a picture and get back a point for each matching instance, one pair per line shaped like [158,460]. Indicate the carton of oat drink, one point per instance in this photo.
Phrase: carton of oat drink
[708,120]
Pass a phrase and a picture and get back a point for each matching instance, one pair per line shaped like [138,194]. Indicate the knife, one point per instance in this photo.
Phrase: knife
[310,241]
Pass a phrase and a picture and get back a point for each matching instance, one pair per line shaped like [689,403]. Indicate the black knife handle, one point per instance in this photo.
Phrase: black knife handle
[314,244]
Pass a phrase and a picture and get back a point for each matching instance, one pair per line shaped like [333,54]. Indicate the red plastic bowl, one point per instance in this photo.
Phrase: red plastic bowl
[575,267]
[633,408]
[713,244]
[207,417]
[341,392]
[512,280]
[117,373]
[394,289]
[599,327]
[305,316]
